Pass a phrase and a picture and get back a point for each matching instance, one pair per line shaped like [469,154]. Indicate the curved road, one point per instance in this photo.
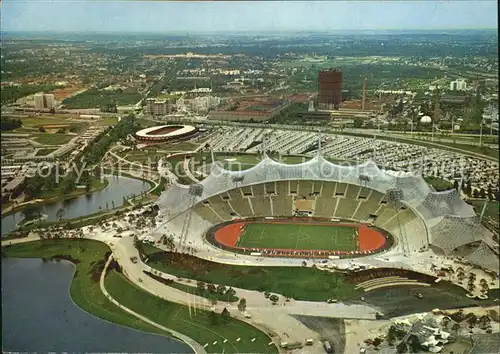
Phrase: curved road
[197,348]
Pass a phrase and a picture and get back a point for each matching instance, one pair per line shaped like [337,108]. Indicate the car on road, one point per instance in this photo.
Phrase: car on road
[327,346]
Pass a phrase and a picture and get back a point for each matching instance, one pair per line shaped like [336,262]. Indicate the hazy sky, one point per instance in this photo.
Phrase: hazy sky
[144,16]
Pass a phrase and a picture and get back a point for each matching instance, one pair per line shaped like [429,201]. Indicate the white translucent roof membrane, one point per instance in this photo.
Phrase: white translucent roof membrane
[485,257]
[454,231]
[450,222]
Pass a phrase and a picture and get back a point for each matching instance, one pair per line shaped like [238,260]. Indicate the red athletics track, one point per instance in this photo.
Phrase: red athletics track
[370,240]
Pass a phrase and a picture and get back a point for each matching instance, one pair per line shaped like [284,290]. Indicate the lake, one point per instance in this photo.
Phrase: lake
[112,194]
[38,314]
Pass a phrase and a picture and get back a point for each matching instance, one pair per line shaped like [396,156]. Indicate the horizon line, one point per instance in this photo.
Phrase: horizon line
[254,31]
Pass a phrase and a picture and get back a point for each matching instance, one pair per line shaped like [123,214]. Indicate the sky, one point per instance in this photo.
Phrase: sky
[244,16]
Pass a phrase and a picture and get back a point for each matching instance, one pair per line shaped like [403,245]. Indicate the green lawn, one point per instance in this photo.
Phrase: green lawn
[160,188]
[39,121]
[299,236]
[197,325]
[53,139]
[439,184]
[298,283]
[176,147]
[107,121]
[84,291]
[492,208]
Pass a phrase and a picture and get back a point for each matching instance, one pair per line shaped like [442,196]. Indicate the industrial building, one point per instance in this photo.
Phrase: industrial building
[329,89]
[44,100]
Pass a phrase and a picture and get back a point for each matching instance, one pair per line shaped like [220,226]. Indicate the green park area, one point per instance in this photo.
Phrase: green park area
[298,237]
[203,326]
[52,138]
[107,121]
[300,284]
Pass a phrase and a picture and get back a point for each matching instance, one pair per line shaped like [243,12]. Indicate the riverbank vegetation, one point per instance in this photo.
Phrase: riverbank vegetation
[89,257]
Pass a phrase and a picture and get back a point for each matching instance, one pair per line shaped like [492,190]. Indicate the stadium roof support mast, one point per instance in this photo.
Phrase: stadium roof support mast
[319,142]
[195,190]
[483,210]
[394,196]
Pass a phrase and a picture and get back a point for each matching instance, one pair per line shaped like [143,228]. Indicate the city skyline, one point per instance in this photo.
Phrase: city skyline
[233,17]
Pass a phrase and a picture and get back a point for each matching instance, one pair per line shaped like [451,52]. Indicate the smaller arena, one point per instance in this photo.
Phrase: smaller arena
[164,133]
[312,238]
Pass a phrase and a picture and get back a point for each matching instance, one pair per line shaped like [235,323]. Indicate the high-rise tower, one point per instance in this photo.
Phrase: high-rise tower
[329,89]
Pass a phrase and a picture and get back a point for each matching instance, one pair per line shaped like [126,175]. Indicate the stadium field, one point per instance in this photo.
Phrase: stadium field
[298,236]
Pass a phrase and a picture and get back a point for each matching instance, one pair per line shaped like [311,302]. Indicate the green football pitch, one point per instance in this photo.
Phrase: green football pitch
[299,237]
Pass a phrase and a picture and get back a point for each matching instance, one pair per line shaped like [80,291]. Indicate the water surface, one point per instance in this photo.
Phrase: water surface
[38,314]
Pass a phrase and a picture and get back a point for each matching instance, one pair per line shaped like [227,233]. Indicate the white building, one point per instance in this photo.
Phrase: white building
[157,107]
[197,104]
[38,99]
[49,100]
[43,100]
[458,85]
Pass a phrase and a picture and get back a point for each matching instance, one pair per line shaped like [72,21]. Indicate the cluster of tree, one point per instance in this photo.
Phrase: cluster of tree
[124,127]
[216,318]
[12,94]
[57,180]
[290,114]
[109,107]
[95,98]
[212,289]
[10,123]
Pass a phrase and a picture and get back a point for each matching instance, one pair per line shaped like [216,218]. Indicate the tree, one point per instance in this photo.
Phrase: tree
[274,299]
[230,293]
[211,288]
[60,213]
[214,318]
[242,305]
[221,289]
[471,320]
[225,315]
[213,301]
[201,286]
[168,241]
[455,184]
[31,212]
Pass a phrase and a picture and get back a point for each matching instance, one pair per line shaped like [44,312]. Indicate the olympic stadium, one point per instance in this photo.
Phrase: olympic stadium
[370,213]
[165,133]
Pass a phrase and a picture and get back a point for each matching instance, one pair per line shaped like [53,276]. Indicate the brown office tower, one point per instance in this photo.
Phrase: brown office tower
[329,89]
